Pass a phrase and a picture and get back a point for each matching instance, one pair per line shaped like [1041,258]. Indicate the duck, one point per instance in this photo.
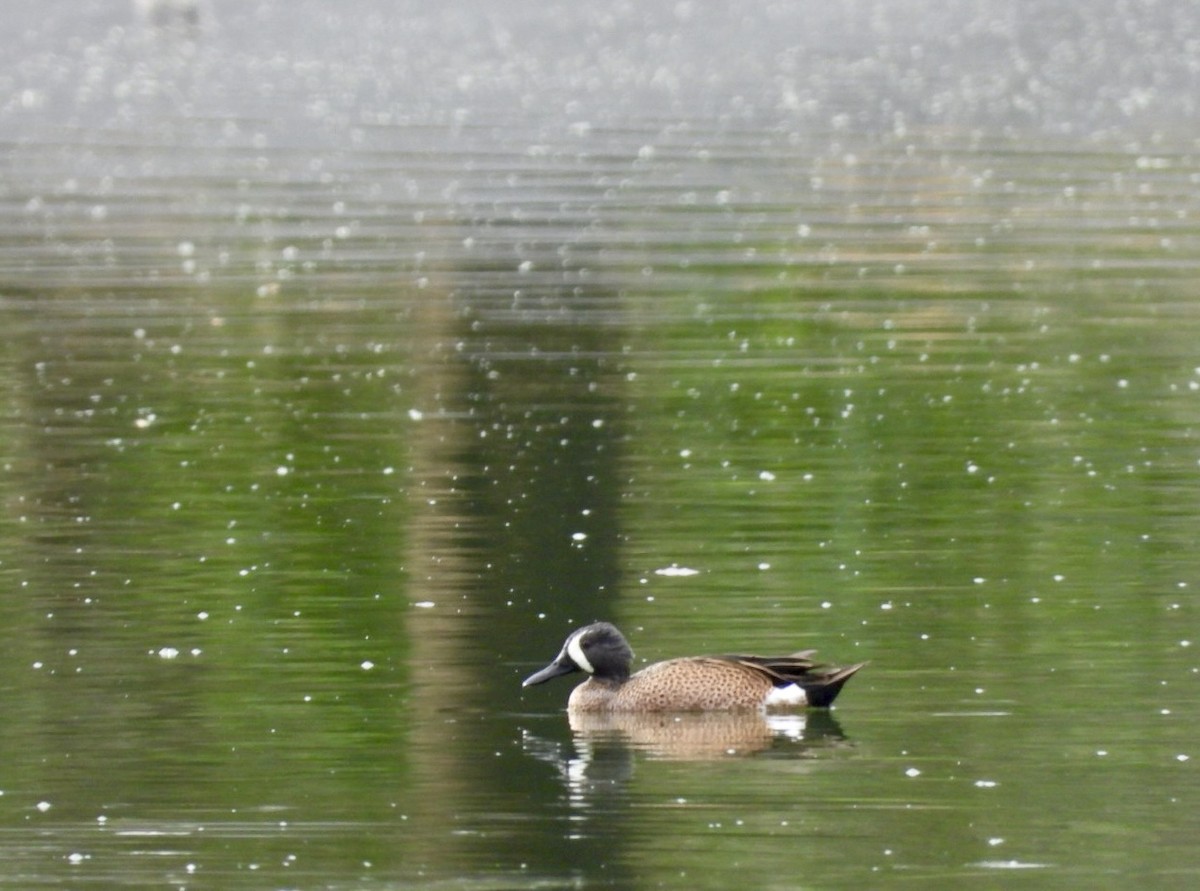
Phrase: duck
[690,683]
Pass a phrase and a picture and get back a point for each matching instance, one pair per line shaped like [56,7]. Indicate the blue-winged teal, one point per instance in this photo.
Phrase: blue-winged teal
[694,683]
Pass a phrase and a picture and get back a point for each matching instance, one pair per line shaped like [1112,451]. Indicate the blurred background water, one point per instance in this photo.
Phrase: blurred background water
[355,352]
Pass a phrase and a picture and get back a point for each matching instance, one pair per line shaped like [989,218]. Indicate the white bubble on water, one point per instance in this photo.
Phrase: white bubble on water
[676,570]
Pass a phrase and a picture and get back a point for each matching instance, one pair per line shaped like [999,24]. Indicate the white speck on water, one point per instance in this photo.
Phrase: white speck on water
[415,414]
[766,476]
[986,784]
[424,604]
[168,653]
[76,857]
[281,470]
[43,806]
[1010,864]
[367,665]
[1182,757]
[676,570]
[912,772]
[994,842]
[825,604]
[1101,753]
[979,580]
[202,615]
[578,536]
[764,566]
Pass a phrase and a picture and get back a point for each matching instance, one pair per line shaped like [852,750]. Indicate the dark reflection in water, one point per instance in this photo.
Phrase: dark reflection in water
[515,469]
[699,737]
[598,769]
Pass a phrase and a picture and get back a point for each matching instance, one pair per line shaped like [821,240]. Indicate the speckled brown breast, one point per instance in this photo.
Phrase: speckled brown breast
[691,684]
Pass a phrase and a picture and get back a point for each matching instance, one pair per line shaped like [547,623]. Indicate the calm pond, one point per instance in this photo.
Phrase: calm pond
[355,353]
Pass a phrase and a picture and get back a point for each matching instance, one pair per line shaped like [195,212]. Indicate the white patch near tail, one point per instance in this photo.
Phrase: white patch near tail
[790,696]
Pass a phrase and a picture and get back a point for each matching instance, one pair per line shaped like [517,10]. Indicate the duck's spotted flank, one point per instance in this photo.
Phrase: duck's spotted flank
[693,683]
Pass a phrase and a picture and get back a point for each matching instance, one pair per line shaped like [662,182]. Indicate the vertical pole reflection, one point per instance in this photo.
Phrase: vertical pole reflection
[516,483]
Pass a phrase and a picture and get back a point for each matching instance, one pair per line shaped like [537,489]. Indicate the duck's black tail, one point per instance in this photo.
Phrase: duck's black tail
[820,683]
[822,689]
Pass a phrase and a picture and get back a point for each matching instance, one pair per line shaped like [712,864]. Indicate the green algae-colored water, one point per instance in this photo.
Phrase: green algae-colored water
[324,417]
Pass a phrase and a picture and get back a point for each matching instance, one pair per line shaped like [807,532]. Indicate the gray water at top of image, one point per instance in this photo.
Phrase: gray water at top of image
[353,353]
[312,71]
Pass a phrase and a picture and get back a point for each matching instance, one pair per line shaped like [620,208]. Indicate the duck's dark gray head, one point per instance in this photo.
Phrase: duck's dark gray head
[598,649]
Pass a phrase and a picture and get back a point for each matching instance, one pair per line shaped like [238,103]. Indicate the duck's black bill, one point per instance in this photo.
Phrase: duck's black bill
[553,670]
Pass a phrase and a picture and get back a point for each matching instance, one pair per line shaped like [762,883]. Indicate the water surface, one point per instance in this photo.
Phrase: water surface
[352,356]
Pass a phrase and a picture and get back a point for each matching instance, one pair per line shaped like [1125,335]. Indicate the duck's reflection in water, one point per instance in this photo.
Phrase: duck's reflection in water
[704,736]
[607,746]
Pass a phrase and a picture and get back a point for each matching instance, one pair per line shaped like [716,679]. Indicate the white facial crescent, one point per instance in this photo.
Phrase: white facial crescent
[575,651]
